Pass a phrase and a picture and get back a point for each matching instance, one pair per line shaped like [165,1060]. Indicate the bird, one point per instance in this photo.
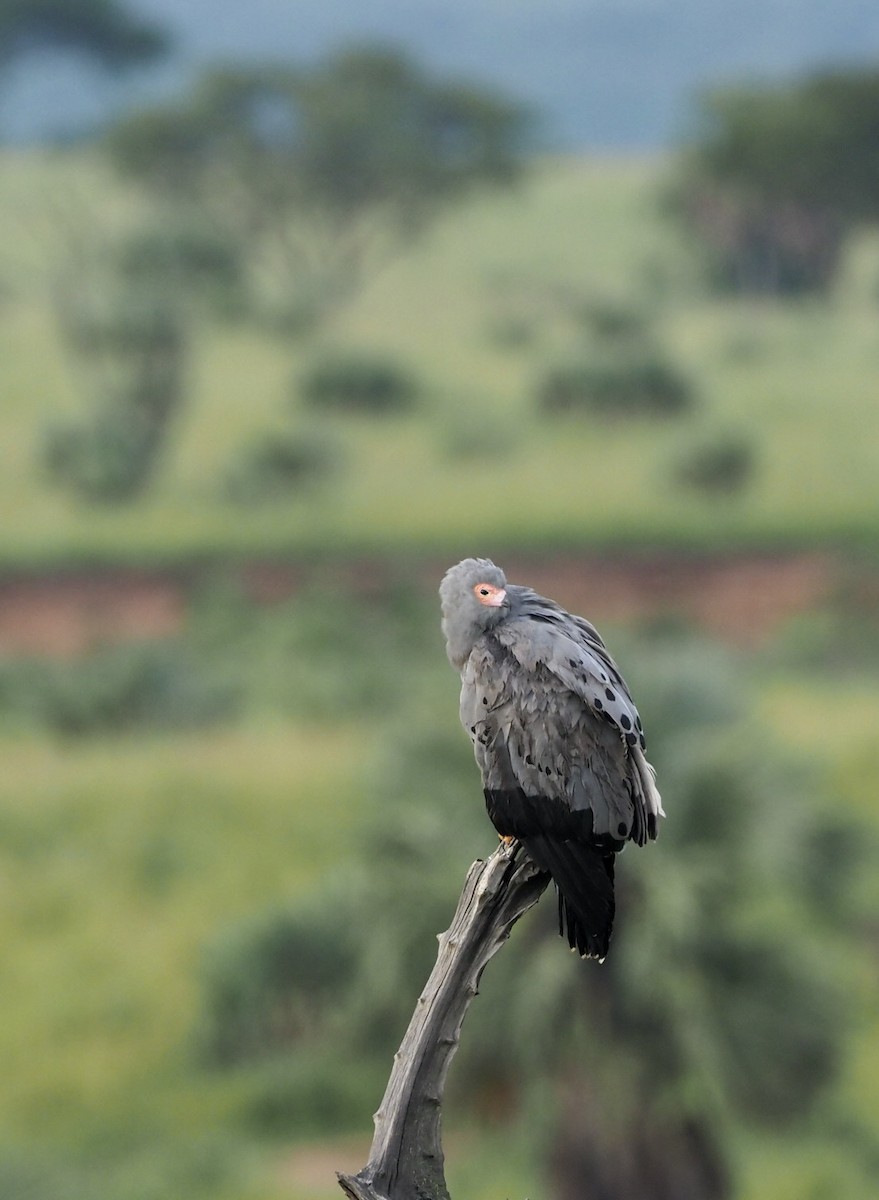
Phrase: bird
[557,738]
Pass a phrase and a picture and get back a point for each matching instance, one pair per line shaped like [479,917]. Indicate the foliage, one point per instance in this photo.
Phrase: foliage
[841,639]
[616,364]
[106,29]
[305,1091]
[106,460]
[269,982]
[620,385]
[195,257]
[330,651]
[335,649]
[124,853]
[529,308]
[123,320]
[198,1169]
[113,690]
[721,464]
[314,173]
[124,309]
[278,466]
[612,320]
[356,382]
[778,175]
[474,432]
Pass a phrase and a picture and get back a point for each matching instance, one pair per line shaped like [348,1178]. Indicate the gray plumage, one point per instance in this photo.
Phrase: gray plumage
[557,737]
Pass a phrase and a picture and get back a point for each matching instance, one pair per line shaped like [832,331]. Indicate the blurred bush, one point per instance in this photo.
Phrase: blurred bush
[611,362]
[270,981]
[123,320]
[718,464]
[278,466]
[32,1177]
[513,331]
[307,1092]
[610,319]
[201,1168]
[525,309]
[356,381]
[474,431]
[338,649]
[331,652]
[107,459]
[615,384]
[125,305]
[151,685]
[839,641]
[203,262]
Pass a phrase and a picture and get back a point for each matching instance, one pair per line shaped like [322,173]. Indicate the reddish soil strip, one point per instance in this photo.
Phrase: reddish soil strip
[743,599]
[62,616]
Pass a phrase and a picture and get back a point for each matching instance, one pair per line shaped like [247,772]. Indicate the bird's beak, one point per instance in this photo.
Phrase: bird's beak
[497,599]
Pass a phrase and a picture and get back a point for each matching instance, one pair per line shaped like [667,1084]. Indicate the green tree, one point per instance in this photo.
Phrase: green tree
[319,173]
[777,177]
[105,29]
[125,308]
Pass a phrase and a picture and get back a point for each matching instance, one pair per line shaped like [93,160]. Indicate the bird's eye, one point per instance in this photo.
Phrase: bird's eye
[489,595]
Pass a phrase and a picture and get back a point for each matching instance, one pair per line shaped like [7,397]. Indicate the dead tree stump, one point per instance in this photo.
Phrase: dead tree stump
[406,1160]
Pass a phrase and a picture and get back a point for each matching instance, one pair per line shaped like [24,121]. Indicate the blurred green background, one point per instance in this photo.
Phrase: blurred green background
[278,345]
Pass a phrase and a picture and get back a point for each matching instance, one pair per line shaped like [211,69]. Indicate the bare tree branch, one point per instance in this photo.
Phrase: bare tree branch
[406,1160]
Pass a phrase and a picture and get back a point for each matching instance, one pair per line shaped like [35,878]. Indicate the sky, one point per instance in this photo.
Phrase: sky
[603,74]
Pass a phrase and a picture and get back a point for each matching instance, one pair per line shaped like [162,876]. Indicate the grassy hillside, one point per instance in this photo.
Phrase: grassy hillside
[475,463]
[120,860]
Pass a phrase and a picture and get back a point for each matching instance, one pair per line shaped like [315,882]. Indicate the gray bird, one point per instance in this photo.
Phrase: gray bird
[557,738]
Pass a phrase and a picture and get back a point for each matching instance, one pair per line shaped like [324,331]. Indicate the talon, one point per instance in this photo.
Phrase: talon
[510,844]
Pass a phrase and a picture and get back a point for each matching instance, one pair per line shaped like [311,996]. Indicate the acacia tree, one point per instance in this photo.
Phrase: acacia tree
[125,309]
[111,455]
[776,177]
[104,29]
[316,174]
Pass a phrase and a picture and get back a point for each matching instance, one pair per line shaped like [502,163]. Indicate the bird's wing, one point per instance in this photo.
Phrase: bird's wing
[573,651]
[546,756]
[575,654]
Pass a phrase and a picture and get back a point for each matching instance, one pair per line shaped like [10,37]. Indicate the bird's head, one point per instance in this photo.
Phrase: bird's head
[474,598]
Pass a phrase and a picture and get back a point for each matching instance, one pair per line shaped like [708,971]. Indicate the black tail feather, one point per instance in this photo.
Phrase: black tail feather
[583,876]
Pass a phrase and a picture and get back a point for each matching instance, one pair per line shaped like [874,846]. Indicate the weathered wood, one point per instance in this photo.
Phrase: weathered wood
[406,1160]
